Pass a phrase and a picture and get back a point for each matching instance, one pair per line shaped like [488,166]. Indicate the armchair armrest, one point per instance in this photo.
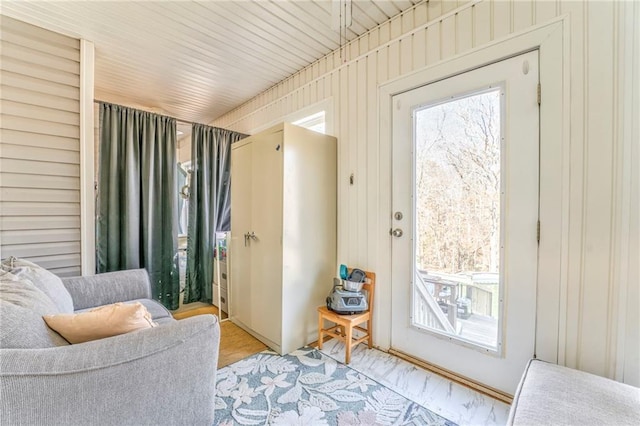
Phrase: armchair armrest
[163,375]
[107,288]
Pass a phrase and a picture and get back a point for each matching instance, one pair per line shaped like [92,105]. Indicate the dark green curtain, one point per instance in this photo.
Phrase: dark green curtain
[209,205]
[137,223]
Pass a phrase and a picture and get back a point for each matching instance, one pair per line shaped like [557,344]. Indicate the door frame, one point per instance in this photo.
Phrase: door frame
[552,41]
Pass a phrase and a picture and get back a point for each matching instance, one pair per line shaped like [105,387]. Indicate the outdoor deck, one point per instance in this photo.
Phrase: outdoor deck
[478,328]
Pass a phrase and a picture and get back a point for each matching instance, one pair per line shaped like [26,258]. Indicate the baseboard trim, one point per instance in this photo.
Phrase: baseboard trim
[479,387]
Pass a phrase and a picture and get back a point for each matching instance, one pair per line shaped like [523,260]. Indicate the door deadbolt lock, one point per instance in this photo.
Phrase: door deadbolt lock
[396,232]
[398,215]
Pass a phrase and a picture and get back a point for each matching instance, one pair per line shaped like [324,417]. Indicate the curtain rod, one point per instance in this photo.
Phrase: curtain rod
[98,101]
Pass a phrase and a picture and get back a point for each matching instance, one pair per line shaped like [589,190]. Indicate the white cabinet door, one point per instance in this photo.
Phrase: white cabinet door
[266,247]
[241,206]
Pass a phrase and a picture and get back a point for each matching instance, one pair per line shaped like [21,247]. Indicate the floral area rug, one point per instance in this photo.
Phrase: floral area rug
[308,388]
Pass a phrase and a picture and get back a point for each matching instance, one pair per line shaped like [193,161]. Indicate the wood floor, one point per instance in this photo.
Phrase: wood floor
[235,343]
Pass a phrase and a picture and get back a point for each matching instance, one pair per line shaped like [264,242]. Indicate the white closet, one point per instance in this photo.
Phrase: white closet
[283,233]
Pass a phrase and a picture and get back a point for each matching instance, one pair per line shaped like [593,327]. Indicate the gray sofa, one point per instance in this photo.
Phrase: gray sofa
[156,376]
[549,394]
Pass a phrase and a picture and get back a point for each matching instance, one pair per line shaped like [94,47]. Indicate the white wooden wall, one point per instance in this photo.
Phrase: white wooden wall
[40,146]
[599,328]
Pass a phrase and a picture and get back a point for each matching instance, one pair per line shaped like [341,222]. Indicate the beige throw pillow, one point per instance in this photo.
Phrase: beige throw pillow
[98,323]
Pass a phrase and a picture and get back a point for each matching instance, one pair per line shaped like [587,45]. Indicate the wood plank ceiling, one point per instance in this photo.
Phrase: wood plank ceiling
[196,60]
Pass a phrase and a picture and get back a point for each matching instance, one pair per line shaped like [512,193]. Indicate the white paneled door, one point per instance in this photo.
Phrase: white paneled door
[465,214]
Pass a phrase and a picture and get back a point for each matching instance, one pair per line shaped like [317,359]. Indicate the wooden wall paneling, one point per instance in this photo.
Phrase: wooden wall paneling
[24,223]
[433,44]
[336,59]
[598,200]
[420,14]
[43,113]
[393,64]
[15,137]
[363,44]
[627,353]
[448,37]
[39,167]
[343,176]
[46,249]
[68,260]
[381,180]
[481,13]
[320,92]
[361,163]
[296,80]
[434,9]
[40,45]
[501,18]
[35,125]
[350,102]
[407,21]
[32,208]
[310,93]
[30,95]
[384,32]
[419,43]
[14,26]
[544,11]
[43,195]
[353,49]
[322,66]
[39,58]
[383,65]
[569,326]
[448,5]
[23,237]
[39,85]
[371,153]
[374,39]
[406,55]
[619,253]
[464,30]
[306,93]
[19,180]
[522,11]
[18,66]
[298,100]
[66,272]
[31,153]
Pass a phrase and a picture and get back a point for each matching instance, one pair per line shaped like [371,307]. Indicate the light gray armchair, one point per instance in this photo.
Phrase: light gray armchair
[161,375]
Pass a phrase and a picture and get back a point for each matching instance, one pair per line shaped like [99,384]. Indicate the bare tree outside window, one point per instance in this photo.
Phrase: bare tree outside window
[457,213]
[458,185]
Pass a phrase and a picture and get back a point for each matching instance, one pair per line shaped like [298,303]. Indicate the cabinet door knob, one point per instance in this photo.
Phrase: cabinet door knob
[249,236]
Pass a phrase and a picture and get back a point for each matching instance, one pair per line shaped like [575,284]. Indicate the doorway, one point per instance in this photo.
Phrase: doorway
[465,197]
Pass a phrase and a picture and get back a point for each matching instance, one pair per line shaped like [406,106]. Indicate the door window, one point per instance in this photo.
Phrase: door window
[458,209]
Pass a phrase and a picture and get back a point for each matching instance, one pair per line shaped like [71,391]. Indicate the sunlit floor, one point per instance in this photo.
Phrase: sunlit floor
[451,400]
[235,343]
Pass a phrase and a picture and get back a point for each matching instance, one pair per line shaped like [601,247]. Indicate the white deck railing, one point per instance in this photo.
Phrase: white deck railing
[426,310]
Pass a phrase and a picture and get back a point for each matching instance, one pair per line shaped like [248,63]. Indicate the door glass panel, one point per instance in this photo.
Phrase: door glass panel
[457,147]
